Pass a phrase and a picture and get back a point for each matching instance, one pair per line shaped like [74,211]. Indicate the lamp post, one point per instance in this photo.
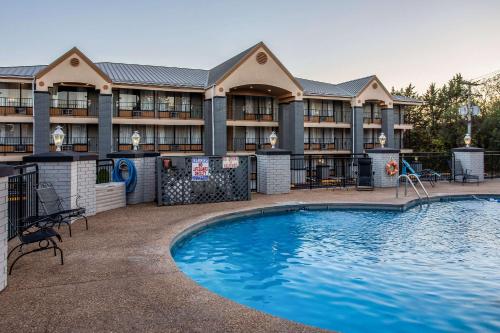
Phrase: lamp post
[273,138]
[136,138]
[58,137]
[382,139]
[467,140]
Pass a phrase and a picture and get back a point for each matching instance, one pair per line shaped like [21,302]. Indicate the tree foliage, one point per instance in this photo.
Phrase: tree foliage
[437,123]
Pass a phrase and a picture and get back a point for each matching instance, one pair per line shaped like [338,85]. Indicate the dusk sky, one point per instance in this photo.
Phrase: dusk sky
[332,41]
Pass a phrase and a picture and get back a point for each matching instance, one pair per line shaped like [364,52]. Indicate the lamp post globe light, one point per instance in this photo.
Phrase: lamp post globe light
[382,139]
[467,140]
[273,138]
[58,137]
[136,139]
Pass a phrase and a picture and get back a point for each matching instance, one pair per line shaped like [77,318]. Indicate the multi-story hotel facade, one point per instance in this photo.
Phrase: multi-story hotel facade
[229,109]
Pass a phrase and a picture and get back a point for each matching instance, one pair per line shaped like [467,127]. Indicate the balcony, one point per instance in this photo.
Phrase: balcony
[327,144]
[77,144]
[248,144]
[326,116]
[16,145]
[371,144]
[16,106]
[372,120]
[182,144]
[162,110]
[73,108]
[252,114]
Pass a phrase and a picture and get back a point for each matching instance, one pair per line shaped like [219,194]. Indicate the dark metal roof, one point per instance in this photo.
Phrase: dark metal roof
[21,71]
[399,98]
[154,75]
[354,87]
[218,71]
[322,88]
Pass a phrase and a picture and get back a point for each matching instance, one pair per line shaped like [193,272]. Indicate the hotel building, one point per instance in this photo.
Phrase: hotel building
[229,109]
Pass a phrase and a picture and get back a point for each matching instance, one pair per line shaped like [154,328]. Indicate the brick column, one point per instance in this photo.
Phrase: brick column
[472,159]
[5,172]
[215,144]
[273,171]
[380,157]
[71,174]
[291,127]
[41,121]
[105,128]
[357,130]
[145,164]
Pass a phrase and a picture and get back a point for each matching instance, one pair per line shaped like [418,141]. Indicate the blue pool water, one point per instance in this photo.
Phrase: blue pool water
[434,269]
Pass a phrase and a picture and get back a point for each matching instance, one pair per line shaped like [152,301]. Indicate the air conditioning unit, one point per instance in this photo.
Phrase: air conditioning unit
[20,110]
[20,148]
[67,112]
[175,148]
[136,113]
[323,145]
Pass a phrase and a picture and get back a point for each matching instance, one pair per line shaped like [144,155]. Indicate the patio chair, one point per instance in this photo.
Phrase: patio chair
[34,230]
[53,206]
[459,171]
[364,174]
[425,174]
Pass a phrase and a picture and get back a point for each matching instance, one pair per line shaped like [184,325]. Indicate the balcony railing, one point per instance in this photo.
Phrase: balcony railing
[400,120]
[163,110]
[249,144]
[327,144]
[16,106]
[330,116]
[371,143]
[16,145]
[77,144]
[374,120]
[73,108]
[255,114]
[162,144]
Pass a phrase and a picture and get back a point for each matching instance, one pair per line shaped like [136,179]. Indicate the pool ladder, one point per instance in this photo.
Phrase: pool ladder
[409,180]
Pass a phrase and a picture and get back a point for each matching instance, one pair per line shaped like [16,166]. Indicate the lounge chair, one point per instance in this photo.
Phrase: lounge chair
[364,181]
[459,171]
[36,230]
[53,206]
[425,174]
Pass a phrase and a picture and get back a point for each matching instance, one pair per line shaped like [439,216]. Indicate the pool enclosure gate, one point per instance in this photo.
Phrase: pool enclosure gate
[22,197]
[201,179]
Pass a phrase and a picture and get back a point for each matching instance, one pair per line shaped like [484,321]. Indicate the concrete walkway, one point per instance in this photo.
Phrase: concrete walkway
[119,275]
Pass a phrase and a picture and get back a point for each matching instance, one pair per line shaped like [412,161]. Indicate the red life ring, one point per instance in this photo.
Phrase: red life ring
[392,168]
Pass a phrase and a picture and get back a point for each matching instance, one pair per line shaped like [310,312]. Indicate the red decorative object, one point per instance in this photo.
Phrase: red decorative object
[392,168]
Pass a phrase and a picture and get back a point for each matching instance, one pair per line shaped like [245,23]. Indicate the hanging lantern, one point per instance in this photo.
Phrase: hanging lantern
[58,137]
[136,139]
[273,138]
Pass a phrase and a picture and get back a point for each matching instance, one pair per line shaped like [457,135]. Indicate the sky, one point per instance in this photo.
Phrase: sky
[333,41]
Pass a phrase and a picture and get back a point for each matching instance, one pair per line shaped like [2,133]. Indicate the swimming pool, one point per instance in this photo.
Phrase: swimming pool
[429,269]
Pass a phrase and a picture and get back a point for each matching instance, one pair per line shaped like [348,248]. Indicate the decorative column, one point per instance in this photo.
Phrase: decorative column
[41,121]
[273,171]
[72,174]
[145,164]
[388,126]
[214,131]
[357,130]
[291,127]
[105,127]
[380,157]
[472,159]
[5,172]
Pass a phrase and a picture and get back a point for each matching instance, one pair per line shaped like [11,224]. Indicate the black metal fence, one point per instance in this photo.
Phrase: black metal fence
[178,184]
[22,198]
[104,170]
[314,171]
[439,162]
[492,164]
[253,173]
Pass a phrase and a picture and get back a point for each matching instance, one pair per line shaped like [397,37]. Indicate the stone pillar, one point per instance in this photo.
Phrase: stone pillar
[41,121]
[5,172]
[388,126]
[357,130]
[215,144]
[291,127]
[105,129]
[145,164]
[472,159]
[273,171]
[72,174]
[380,157]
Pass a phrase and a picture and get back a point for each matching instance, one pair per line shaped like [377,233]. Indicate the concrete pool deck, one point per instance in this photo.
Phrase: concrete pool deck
[119,275]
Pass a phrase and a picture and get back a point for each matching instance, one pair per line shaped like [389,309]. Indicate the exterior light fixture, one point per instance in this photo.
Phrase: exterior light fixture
[467,140]
[382,138]
[273,138]
[136,138]
[58,137]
